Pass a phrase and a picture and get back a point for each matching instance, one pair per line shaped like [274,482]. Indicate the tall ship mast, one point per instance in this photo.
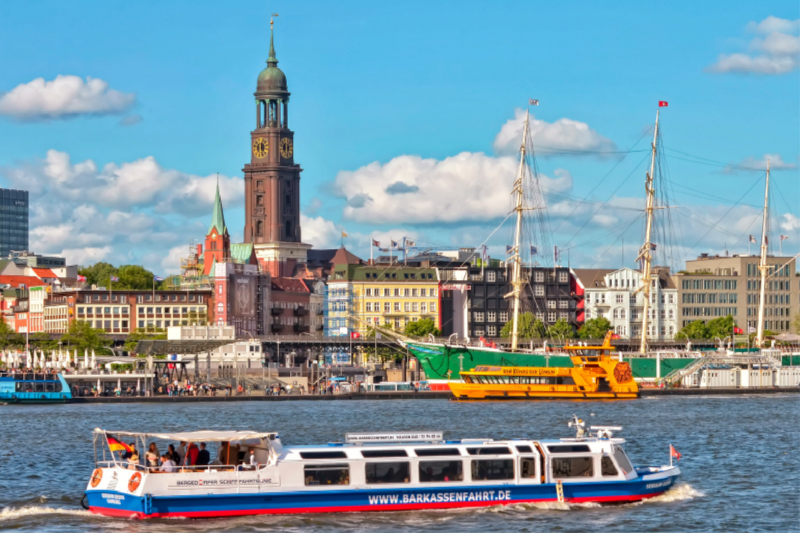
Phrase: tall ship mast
[762,266]
[517,282]
[645,254]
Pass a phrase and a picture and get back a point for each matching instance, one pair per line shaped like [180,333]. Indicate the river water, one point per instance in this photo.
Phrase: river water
[741,461]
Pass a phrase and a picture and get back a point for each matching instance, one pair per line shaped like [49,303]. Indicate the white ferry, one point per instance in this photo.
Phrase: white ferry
[368,472]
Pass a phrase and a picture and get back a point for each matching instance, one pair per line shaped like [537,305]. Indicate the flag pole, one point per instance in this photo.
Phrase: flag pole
[371,261]
[670,455]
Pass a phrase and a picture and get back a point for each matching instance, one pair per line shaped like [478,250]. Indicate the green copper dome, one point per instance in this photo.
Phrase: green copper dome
[272,79]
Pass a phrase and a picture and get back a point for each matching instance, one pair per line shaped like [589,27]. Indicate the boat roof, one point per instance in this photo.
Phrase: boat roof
[195,436]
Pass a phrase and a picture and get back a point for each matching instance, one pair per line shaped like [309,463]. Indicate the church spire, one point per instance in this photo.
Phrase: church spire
[218,218]
[272,60]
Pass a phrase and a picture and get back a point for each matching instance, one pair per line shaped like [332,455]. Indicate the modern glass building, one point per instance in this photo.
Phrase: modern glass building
[13,221]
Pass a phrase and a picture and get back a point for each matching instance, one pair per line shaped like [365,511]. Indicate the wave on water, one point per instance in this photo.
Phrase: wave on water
[678,493]
[15,513]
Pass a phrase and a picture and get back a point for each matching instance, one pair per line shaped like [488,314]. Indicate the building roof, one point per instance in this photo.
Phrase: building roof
[271,80]
[44,273]
[289,285]
[592,277]
[17,281]
[242,252]
[343,257]
[387,273]
[217,217]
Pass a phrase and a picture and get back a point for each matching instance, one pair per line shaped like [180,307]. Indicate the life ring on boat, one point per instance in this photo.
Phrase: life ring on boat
[97,475]
[134,481]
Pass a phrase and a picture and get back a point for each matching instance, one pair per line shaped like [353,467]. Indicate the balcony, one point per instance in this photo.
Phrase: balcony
[276,311]
[300,311]
[277,327]
[300,328]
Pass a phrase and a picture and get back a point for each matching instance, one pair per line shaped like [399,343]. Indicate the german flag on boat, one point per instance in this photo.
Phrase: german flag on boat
[116,446]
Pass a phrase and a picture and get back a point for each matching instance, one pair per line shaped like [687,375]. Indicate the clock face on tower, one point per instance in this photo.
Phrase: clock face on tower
[260,147]
[286,148]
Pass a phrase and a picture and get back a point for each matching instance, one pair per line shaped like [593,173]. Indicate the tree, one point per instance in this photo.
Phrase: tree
[83,336]
[694,330]
[9,337]
[721,327]
[134,277]
[595,328]
[422,328]
[560,330]
[140,334]
[528,327]
[42,341]
[384,352]
[98,273]
[796,323]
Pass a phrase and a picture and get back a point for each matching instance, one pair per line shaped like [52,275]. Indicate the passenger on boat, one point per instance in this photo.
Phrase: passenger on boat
[191,455]
[203,457]
[167,464]
[173,455]
[128,455]
[250,463]
[222,454]
[133,462]
[181,453]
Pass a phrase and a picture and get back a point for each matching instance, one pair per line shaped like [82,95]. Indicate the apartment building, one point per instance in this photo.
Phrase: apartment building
[718,286]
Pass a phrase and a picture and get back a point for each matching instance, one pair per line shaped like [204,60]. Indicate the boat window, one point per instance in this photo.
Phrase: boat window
[467,379]
[607,467]
[428,452]
[58,386]
[568,448]
[327,474]
[383,453]
[489,450]
[435,471]
[523,448]
[49,387]
[387,472]
[572,467]
[622,460]
[39,387]
[527,467]
[323,455]
[484,469]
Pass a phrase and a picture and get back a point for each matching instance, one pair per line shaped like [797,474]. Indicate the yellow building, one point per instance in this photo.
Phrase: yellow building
[391,296]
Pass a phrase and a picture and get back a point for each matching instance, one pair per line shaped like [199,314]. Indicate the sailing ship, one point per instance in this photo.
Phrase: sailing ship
[447,361]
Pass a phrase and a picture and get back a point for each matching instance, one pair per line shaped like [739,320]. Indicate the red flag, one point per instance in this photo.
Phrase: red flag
[81,278]
[355,335]
[662,103]
[674,453]
[738,331]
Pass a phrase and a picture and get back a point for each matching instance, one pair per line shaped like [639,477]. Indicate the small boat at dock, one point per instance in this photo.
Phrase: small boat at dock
[254,473]
[20,386]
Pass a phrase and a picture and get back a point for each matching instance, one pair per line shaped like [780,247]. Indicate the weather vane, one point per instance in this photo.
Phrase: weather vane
[271,22]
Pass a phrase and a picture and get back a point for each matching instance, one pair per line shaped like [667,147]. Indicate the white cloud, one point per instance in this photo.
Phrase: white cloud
[563,134]
[320,232]
[127,212]
[773,54]
[64,97]
[789,222]
[468,186]
[776,162]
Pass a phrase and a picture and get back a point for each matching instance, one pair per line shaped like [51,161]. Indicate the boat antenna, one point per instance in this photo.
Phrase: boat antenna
[762,266]
[516,257]
[645,254]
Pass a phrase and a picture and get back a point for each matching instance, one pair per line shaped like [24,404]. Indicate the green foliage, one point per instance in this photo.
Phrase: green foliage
[422,328]
[796,323]
[381,351]
[9,337]
[139,334]
[528,327]
[595,328]
[42,341]
[693,330]
[560,330]
[83,336]
[130,276]
[717,328]
[721,327]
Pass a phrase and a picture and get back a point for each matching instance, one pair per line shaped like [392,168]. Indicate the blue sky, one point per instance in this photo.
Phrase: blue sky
[416,93]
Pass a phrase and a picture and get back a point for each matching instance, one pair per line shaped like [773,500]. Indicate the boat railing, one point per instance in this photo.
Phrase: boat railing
[189,469]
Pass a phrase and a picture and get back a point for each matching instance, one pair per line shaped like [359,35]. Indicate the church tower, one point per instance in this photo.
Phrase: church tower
[272,179]
[218,242]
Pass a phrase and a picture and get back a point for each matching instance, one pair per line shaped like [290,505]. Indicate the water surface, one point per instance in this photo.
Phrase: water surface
[741,461]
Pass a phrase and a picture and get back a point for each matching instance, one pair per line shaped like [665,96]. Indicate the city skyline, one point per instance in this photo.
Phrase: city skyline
[407,124]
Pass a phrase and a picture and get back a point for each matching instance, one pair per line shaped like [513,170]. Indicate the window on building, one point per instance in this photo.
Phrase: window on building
[620,298]
[491,316]
[368,307]
[491,330]
[491,276]
[539,316]
[563,304]
[406,307]
[539,276]
[432,307]
[503,316]
[563,276]
[397,306]
[415,307]
[551,317]
[551,304]
[479,316]
[387,307]
[538,290]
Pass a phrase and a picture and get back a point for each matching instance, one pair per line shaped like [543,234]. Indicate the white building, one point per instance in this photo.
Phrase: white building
[612,294]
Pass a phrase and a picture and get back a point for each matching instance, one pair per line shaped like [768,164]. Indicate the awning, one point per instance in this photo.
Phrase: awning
[194,436]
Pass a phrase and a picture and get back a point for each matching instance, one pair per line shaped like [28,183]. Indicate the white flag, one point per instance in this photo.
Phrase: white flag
[533,102]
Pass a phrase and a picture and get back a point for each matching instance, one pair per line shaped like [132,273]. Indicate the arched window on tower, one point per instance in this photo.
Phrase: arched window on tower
[213,245]
[260,228]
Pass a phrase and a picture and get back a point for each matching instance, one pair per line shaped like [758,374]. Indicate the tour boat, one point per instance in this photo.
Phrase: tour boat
[33,387]
[368,472]
[594,375]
